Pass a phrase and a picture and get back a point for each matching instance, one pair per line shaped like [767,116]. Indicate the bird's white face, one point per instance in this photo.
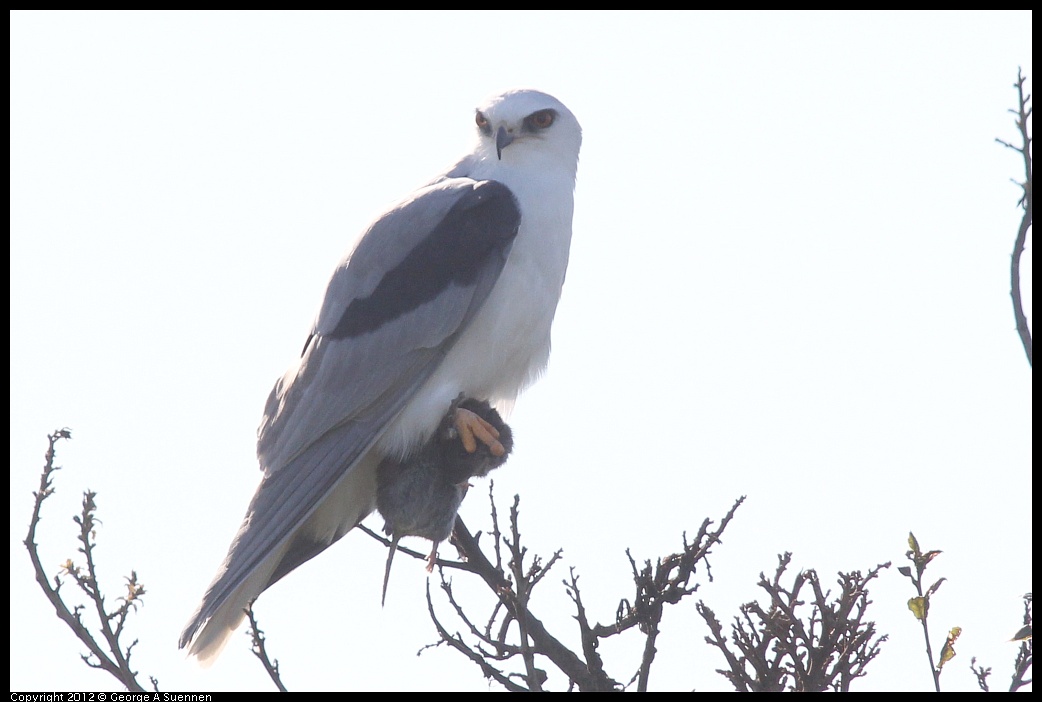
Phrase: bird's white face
[522,126]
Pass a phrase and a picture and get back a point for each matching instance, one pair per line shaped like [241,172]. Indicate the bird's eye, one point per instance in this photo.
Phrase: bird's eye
[540,120]
[481,121]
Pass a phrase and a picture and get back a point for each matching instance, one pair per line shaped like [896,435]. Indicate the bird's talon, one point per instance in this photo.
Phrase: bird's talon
[472,428]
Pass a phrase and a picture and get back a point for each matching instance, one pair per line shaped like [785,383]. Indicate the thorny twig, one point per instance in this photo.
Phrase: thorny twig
[1023,112]
[1023,662]
[108,655]
[667,582]
[779,650]
[260,650]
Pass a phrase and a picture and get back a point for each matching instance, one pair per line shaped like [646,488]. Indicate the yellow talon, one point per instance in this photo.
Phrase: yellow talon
[473,428]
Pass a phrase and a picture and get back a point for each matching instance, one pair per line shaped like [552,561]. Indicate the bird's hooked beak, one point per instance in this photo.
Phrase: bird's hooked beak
[503,140]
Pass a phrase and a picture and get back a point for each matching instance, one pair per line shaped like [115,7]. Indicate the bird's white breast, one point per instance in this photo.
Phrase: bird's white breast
[507,345]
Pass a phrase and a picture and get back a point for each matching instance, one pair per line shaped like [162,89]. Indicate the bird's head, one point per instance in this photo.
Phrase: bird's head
[521,126]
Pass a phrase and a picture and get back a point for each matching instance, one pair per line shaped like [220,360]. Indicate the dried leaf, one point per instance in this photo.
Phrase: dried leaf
[919,606]
[948,652]
[929,556]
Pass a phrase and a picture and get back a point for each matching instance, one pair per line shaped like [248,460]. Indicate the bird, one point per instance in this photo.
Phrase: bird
[420,495]
[452,291]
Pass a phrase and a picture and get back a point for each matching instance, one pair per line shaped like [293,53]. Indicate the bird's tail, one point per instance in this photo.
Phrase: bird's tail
[206,636]
[257,559]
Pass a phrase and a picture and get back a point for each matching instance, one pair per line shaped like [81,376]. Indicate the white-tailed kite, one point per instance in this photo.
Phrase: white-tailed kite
[451,292]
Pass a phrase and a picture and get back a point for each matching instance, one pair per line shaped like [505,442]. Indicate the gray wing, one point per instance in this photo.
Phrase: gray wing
[392,311]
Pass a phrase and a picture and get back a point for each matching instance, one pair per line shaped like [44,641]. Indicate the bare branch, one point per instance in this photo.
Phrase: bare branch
[458,644]
[981,673]
[1023,662]
[512,583]
[1023,112]
[116,659]
[260,650]
[781,650]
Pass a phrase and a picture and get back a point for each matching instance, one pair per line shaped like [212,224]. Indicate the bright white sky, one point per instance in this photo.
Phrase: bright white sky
[789,280]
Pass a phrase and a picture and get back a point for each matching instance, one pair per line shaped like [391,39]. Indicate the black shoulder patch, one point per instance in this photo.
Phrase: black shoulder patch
[481,224]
